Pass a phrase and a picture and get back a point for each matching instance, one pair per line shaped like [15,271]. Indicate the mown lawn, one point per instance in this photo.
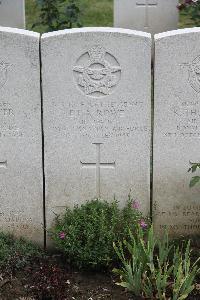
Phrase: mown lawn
[94,13]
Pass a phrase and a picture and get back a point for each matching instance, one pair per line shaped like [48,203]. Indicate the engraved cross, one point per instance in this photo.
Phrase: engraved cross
[3,164]
[147,4]
[98,165]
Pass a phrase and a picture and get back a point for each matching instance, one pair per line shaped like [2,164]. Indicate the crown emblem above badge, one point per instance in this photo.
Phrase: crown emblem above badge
[193,73]
[97,54]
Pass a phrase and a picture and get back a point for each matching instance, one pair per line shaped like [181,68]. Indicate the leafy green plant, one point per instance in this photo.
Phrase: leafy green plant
[183,273]
[133,269]
[154,268]
[193,168]
[140,249]
[15,253]
[58,14]
[85,234]
[191,8]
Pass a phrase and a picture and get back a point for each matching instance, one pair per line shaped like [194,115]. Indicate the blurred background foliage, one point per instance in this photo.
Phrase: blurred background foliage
[92,13]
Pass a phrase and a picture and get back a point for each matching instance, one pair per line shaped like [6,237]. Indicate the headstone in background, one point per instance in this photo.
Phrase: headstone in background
[152,16]
[176,131]
[12,13]
[97,115]
[21,191]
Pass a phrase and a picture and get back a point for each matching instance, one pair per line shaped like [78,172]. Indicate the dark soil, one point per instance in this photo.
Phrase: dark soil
[48,279]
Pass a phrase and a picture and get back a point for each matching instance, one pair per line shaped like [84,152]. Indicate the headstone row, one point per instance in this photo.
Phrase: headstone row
[143,15]
[96,87]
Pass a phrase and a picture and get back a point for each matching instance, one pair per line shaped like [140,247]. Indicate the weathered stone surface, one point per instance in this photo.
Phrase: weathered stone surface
[21,193]
[97,87]
[152,16]
[12,13]
[176,130]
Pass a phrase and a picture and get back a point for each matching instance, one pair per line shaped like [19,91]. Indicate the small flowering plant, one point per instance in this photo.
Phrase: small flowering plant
[191,8]
[143,224]
[135,204]
[85,234]
[61,235]
[188,3]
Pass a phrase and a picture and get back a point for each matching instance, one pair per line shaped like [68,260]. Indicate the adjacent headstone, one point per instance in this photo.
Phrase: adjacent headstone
[176,131]
[12,13]
[21,191]
[152,16]
[97,98]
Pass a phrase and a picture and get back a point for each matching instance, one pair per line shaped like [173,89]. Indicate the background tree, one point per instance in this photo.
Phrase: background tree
[58,14]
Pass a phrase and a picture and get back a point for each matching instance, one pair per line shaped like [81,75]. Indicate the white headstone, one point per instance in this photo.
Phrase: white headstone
[12,13]
[152,16]
[21,193]
[97,98]
[176,131]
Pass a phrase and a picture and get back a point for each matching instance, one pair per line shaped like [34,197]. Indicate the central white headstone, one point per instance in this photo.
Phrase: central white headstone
[12,13]
[97,98]
[152,16]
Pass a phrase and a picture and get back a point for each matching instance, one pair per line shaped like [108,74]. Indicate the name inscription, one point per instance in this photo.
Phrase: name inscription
[186,120]
[104,119]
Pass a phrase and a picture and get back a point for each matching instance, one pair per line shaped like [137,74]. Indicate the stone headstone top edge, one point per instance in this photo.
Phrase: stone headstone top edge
[96,30]
[176,32]
[19,31]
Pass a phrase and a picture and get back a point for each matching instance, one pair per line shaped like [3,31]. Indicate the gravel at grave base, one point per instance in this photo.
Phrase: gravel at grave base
[48,280]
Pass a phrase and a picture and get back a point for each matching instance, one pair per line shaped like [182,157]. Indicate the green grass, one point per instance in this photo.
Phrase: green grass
[97,12]
[94,13]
